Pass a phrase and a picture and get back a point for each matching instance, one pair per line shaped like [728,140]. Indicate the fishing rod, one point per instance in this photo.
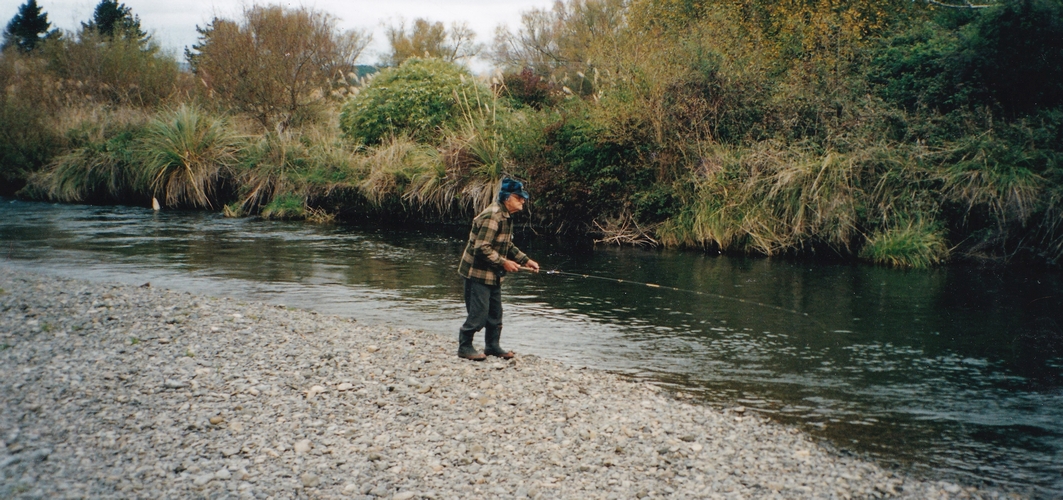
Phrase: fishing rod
[674,289]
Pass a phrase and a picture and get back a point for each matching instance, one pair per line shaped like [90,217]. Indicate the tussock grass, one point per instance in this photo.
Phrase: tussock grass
[913,244]
[102,164]
[770,200]
[307,163]
[391,168]
[186,152]
[285,206]
[985,172]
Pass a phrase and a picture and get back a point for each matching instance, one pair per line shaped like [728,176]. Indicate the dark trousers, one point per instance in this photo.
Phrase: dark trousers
[484,305]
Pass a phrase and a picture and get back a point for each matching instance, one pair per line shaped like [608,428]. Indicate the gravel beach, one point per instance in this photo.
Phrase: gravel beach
[115,391]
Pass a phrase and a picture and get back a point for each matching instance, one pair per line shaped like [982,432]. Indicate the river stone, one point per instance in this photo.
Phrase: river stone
[349,408]
[310,480]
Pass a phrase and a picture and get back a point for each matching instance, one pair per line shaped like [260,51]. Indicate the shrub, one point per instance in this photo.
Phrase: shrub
[416,99]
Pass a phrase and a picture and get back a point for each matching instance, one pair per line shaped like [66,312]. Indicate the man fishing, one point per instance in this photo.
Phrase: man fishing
[489,255]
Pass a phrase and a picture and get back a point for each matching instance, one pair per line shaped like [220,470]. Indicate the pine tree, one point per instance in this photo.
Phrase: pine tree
[115,20]
[25,29]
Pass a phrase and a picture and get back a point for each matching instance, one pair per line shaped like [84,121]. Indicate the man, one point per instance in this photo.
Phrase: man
[489,255]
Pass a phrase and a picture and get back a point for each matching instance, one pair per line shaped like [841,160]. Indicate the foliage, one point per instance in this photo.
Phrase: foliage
[114,20]
[25,29]
[418,99]
[1009,57]
[286,206]
[120,71]
[529,89]
[276,64]
[426,39]
[27,106]
[896,132]
[186,152]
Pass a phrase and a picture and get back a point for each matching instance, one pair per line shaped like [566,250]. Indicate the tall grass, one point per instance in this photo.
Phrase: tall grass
[770,200]
[306,163]
[102,164]
[186,154]
[915,244]
[390,169]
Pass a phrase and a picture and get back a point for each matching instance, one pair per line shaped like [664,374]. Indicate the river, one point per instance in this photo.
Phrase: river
[953,373]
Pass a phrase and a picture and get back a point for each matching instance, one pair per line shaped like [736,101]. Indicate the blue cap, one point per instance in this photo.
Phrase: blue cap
[512,186]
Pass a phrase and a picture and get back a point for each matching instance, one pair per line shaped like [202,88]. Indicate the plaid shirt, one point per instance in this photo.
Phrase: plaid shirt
[490,243]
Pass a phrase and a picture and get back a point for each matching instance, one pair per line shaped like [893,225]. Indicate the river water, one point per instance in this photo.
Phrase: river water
[948,373]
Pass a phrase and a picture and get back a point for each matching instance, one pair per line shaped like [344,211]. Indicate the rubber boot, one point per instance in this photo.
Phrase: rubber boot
[491,347]
[466,349]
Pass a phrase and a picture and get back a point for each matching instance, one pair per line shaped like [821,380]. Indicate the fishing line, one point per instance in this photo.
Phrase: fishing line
[675,289]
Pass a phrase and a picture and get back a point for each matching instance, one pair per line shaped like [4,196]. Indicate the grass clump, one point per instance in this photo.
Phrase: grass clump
[186,152]
[285,206]
[914,244]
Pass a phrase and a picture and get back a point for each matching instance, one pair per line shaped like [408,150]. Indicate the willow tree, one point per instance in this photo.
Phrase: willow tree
[275,64]
[428,39]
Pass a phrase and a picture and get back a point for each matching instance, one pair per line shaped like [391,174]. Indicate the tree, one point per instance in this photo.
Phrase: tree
[275,64]
[113,60]
[561,38]
[114,20]
[25,29]
[427,39]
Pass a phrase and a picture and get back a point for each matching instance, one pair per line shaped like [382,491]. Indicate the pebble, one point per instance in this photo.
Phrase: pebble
[297,400]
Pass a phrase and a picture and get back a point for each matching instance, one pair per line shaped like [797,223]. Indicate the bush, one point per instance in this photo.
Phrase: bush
[1007,57]
[417,99]
[310,162]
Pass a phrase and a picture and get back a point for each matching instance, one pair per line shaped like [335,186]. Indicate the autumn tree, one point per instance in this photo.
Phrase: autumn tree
[563,37]
[276,63]
[25,29]
[427,39]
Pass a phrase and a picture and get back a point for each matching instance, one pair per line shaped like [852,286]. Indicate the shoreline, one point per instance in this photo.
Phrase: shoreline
[114,390]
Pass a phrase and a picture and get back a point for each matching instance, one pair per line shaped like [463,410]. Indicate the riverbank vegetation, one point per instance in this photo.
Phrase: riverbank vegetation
[898,132]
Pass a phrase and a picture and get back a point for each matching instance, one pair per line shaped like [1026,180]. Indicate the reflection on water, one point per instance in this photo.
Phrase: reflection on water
[955,371]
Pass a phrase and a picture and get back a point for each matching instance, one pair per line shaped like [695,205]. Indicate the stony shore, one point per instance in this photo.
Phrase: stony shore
[113,391]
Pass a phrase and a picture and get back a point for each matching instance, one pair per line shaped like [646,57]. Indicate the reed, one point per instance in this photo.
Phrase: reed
[185,154]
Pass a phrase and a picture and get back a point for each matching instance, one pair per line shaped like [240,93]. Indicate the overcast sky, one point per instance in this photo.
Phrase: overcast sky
[173,22]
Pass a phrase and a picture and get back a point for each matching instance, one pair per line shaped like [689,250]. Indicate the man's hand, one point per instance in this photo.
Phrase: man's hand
[533,265]
[510,266]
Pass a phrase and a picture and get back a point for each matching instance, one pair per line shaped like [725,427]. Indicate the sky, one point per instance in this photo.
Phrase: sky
[173,22]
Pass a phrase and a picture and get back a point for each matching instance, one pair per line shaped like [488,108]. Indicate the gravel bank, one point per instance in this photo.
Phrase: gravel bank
[118,391]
